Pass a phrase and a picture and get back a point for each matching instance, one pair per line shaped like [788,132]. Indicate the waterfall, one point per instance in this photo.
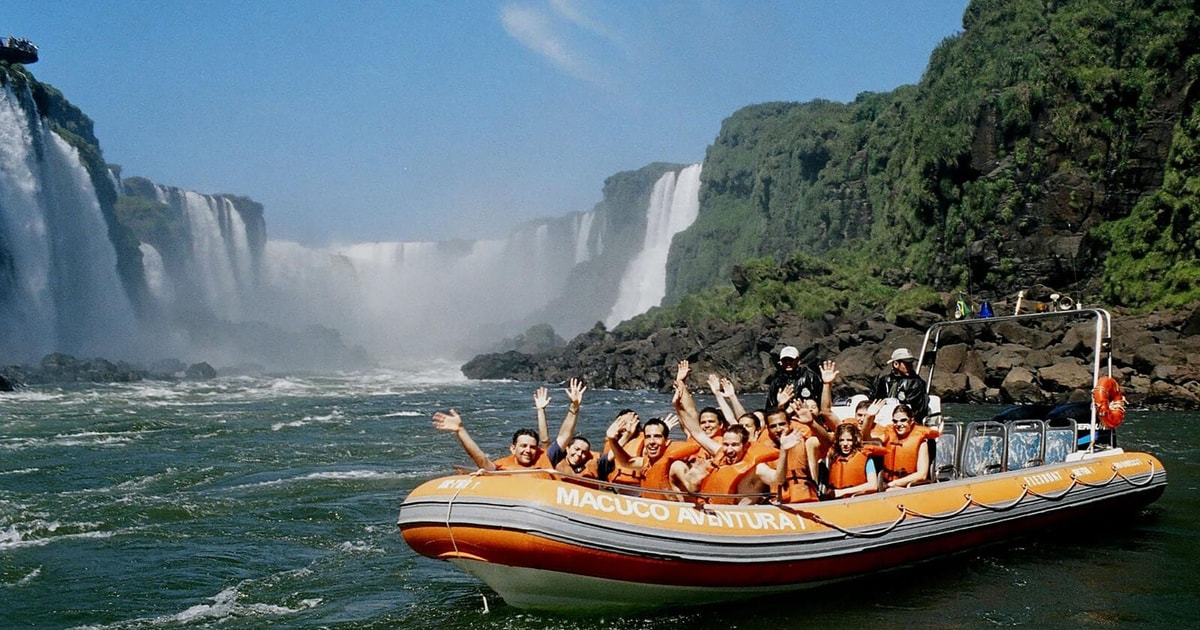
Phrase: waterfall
[674,204]
[216,267]
[583,232]
[215,289]
[156,275]
[424,298]
[59,287]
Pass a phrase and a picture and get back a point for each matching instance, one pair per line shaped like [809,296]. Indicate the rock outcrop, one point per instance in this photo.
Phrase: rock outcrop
[1156,358]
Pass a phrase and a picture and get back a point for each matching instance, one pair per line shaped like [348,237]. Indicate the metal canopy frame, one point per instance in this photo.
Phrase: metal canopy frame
[1101,344]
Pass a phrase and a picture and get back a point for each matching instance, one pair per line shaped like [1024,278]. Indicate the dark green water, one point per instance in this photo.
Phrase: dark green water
[244,503]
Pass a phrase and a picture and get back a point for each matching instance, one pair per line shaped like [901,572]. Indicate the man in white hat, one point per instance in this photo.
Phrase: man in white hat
[904,384]
[790,371]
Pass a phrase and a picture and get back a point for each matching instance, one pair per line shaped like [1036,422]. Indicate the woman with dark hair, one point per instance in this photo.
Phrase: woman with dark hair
[851,471]
[906,461]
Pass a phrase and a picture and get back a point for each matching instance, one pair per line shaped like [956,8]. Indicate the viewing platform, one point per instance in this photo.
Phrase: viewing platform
[18,50]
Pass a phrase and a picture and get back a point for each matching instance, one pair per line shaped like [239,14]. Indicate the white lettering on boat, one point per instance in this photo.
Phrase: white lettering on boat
[612,503]
[1082,471]
[736,518]
[1043,478]
[454,484]
[685,513]
[1126,463]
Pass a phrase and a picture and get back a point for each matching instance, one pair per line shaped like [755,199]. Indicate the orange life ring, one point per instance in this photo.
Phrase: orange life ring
[1110,403]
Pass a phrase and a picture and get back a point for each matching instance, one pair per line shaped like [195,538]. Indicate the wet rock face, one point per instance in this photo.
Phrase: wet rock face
[1156,358]
[200,372]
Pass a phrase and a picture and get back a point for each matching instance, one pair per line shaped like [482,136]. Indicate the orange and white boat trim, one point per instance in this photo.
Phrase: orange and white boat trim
[561,545]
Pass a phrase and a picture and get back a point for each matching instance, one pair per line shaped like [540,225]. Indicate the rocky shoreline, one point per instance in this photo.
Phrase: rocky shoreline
[1156,357]
[59,368]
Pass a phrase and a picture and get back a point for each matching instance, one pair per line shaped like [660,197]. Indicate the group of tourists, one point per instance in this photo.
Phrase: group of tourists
[795,449]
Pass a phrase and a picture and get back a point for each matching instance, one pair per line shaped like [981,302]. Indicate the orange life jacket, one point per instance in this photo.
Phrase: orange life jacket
[725,480]
[798,486]
[656,475]
[761,453]
[589,469]
[851,470]
[511,463]
[902,455]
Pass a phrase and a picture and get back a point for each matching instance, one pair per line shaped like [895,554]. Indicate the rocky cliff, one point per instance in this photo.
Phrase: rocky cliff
[1156,357]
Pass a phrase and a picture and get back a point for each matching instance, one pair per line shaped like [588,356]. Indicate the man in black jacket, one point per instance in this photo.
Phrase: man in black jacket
[904,384]
[789,371]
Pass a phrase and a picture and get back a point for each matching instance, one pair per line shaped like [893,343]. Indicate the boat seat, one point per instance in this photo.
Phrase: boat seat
[1060,440]
[983,448]
[1026,444]
[944,452]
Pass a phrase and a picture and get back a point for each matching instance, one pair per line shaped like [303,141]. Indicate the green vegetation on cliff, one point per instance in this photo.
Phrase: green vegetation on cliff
[1153,253]
[1017,160]
[74,127]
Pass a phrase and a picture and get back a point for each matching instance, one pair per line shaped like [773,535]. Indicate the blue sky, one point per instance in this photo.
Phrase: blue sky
[417,120]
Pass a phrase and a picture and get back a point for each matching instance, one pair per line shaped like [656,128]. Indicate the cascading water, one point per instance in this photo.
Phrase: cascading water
[583,232]
[214,289]
[423,298]
[58,270]
[218,267]
[674,205]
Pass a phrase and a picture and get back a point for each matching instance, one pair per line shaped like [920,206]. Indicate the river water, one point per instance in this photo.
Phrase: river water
[252,502]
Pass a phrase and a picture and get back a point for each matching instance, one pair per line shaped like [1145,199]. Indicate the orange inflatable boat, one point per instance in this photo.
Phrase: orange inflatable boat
[558,544]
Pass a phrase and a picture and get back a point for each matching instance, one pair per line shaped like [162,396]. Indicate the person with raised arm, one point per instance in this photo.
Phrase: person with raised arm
[790,371]
[651,469]
[829,374]
[730,469]
[524,453]
[541,400]
[727,412]
[569,452]
[794,474]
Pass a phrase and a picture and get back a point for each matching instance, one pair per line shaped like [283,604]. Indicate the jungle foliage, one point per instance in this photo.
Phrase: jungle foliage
[1051,141]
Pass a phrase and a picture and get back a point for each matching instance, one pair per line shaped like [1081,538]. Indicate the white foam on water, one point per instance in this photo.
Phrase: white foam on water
[31,395]
[343,475]
[403,414]
[92,438]
[21,471]
[359,546]
[26,579]
[14,539]
[224,606]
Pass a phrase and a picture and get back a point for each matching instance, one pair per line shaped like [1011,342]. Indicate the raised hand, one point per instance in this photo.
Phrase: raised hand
[541,398]
[682,371]
[829,372]
[575,390]
[671,420]
[790,438]
[714,383]
[800,412]
[787,393]
[631,422]
[617,427]
[449,422]
[875,407]
[727,388]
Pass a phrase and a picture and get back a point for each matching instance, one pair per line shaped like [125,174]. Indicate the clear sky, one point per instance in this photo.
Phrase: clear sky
[428,119]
